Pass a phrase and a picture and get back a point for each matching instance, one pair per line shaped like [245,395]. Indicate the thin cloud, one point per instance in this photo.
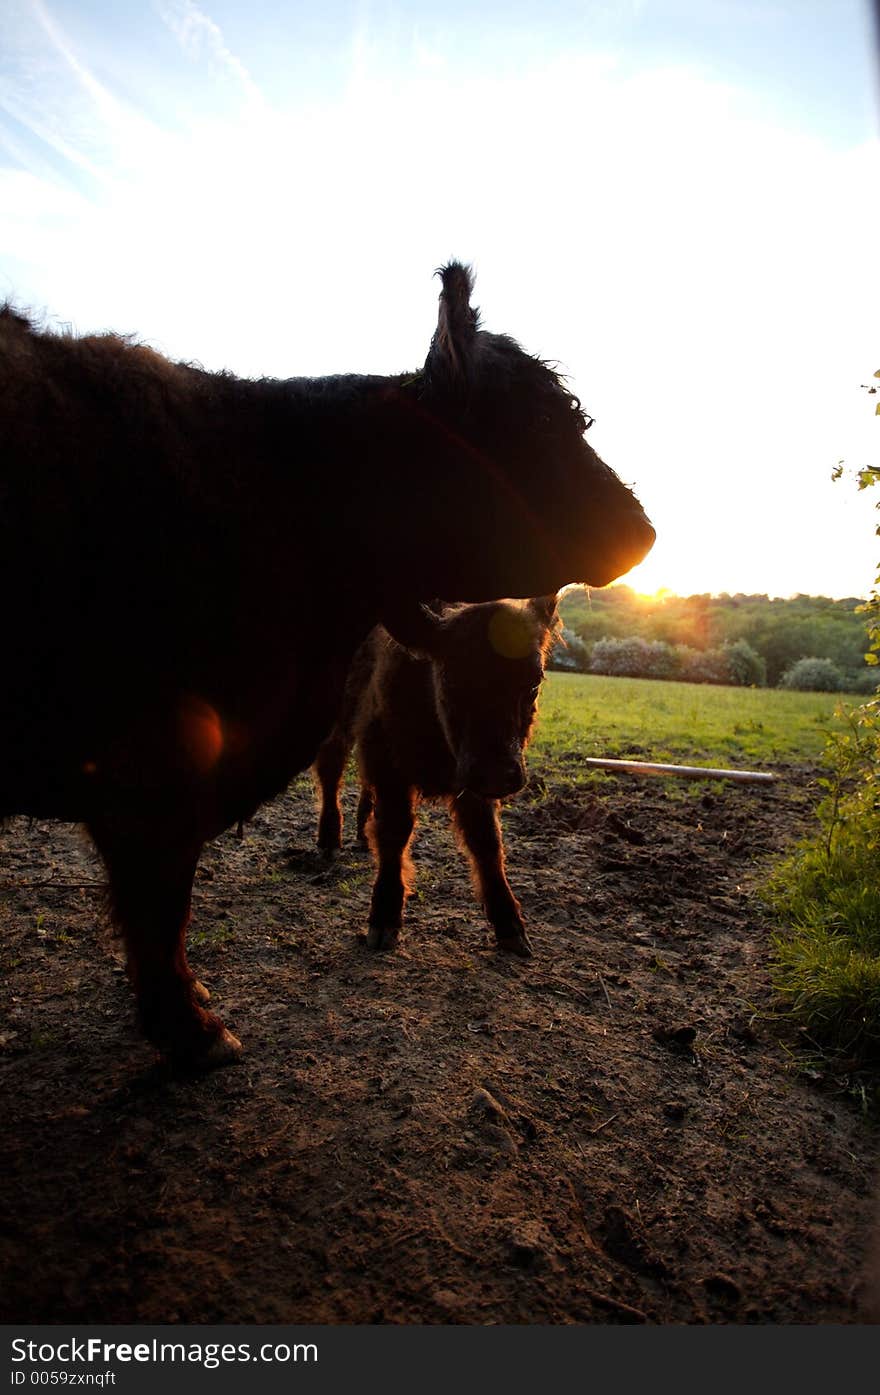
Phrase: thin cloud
[45,131]
[54,96]
[106,103]
[199,36]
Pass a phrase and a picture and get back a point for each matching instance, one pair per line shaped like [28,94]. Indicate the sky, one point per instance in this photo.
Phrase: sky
[675,201]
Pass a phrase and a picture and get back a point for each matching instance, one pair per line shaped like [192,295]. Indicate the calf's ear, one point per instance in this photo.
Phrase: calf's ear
[544,609]
[416,627]
[450,358]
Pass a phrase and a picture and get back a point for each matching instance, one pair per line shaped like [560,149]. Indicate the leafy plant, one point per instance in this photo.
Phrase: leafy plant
[569,653]
[813,676]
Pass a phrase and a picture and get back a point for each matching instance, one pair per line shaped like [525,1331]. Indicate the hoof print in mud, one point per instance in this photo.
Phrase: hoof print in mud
[675,1038]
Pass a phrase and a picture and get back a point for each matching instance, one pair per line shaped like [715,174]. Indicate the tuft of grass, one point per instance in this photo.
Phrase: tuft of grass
[832,989]
[212,936]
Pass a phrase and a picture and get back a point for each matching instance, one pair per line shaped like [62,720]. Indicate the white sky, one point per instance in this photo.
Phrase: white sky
[677,200]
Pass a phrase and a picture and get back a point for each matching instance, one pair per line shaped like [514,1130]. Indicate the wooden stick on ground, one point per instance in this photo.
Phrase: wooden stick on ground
[688,772]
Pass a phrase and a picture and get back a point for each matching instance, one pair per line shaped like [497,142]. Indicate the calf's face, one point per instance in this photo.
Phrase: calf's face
[488,663]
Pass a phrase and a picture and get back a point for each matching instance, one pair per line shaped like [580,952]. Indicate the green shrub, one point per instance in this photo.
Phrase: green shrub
[813,676]
[569,653]
[633,658]
[702,665]
[864,682]
[747,668]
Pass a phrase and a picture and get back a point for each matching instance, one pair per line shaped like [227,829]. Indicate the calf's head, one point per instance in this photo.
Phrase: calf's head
[537,508]
[487,663]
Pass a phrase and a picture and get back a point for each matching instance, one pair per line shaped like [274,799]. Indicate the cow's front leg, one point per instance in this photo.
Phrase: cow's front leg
[390,831]
[151,877]
[477,824]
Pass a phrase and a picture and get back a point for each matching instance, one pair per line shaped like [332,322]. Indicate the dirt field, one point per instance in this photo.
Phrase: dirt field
[611,1132]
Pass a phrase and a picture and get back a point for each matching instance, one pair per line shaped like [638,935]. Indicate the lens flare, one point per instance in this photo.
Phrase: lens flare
[511,633]
[201,733]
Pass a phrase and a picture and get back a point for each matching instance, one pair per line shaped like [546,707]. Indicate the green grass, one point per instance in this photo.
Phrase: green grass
[686,723]
[826,963]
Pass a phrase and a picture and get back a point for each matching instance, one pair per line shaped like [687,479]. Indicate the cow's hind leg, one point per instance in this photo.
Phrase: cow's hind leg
[390,831]
[477,824]
[151,877]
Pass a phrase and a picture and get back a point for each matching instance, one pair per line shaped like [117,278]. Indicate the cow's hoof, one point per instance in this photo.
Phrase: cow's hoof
[518,944]
[200,992]
[382,939]
[329,854]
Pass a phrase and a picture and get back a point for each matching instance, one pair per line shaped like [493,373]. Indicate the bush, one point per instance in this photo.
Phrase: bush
[864,682]
[735,663]
[633,658]
[813,676]
[747,668]
[702,665]
[569,653]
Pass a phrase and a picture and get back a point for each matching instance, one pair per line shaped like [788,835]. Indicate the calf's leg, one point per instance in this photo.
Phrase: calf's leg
[390,833]
[479,830]
[364,810]
[328,770]
[151,877]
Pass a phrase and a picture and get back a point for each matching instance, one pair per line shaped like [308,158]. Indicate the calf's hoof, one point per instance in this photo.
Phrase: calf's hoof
[224,1050]
[378,938]
[200,992]
[220,1049]
[518,943]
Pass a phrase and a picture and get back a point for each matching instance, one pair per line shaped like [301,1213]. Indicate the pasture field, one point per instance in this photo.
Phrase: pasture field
[688,723]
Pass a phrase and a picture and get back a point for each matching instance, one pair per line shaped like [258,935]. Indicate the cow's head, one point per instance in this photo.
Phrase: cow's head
[488,663]
[538,508]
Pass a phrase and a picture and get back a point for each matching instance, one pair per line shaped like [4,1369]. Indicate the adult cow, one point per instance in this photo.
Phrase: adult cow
[188,561]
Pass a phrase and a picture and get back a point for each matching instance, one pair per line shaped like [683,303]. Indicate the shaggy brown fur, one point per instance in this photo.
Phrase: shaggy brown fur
[450,723]
[171,542]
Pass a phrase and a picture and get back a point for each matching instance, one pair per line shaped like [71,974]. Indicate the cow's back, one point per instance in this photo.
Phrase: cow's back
[156,542]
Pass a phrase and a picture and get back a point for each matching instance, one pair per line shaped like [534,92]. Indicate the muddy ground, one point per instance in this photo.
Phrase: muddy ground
[612,1132]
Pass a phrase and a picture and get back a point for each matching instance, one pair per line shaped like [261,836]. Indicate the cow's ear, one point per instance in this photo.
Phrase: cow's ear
[544,609]
[450,359]
[417,627]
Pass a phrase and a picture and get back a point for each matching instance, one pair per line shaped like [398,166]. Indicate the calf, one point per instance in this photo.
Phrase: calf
[450,721]
[159,528]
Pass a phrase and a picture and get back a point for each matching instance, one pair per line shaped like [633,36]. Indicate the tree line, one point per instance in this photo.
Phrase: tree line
[751,640]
